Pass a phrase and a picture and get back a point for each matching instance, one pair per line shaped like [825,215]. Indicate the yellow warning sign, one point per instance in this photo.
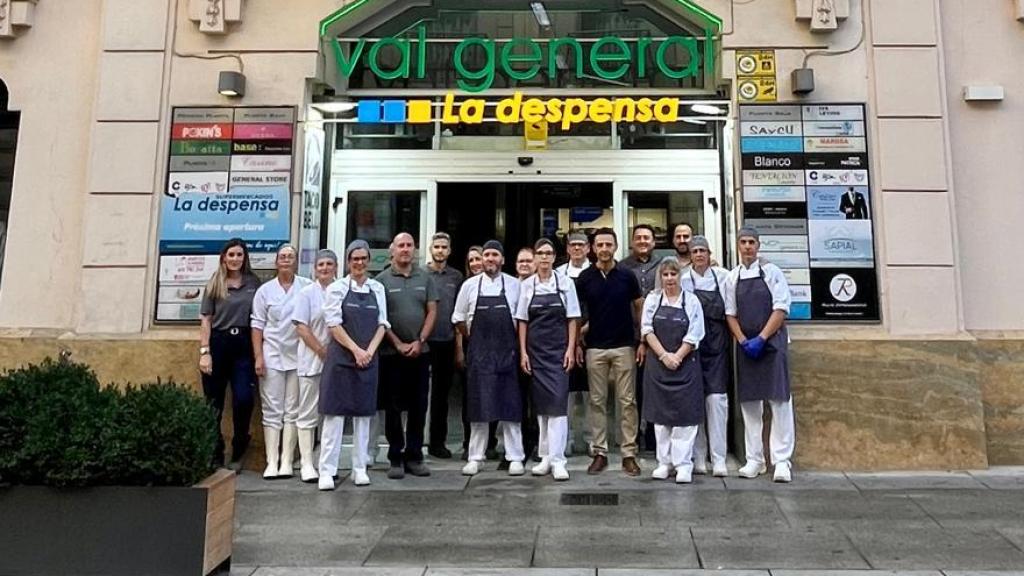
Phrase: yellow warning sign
[755,76]
[755,63]
[756,89]
[536,134]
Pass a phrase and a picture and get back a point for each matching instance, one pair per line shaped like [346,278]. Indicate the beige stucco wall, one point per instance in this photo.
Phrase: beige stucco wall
[91,161]
[985,47]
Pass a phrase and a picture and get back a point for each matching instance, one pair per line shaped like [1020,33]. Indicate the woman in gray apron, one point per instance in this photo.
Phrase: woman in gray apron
[492,387]
[672,325]
[758,302]
[715,358]
[355,310]
[548,314]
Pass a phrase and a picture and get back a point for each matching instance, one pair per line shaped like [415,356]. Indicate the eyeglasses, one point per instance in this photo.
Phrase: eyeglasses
[545,253]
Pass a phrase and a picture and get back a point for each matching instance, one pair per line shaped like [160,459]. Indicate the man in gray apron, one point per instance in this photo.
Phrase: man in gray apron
[484,315]
[756,305]
[708,284]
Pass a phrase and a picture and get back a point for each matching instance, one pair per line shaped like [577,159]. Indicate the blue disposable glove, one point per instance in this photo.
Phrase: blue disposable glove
[754,347]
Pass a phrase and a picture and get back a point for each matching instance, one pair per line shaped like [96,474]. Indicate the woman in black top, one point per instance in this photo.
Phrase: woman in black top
[225,345]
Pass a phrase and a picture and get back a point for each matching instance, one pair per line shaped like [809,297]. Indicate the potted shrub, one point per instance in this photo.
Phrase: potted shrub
[100,480]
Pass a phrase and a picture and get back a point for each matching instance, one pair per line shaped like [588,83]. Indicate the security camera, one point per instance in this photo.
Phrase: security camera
[525,160]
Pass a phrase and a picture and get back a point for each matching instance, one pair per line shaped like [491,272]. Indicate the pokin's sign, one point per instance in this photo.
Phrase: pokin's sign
[523,59]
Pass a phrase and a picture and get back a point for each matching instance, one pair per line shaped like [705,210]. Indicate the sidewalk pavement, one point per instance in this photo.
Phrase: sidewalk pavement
[832,523]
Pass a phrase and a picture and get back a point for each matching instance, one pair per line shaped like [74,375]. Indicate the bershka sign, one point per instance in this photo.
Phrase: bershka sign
[523,59]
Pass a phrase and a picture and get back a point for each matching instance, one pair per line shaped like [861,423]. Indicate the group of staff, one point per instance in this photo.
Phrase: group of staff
[329,349]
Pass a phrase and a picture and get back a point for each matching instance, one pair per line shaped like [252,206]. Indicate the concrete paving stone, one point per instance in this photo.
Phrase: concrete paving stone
[609,481]
[304,544]
[983,572]
[932,548]
[1014,535]
[446,571]
[438,481]
[681,572]
[803,548]
[605,546]
[972,509]
[241,570]
[547,510]
[856,573]
[801,481]
[341,571]
[914,480]
[261,508]
[852,508]
[254,482]
[454,546]
[1001,477]
[738,509]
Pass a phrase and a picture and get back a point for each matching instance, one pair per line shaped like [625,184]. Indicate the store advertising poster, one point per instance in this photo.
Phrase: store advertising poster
[838,203]
[841,243]
[844,294]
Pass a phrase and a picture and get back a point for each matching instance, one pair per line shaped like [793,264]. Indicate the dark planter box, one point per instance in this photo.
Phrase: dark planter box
[118,530]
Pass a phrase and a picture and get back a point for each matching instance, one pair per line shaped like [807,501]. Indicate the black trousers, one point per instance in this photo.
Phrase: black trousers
[442,374]
[234,365]
[648,441]
[529,424]
[404,387]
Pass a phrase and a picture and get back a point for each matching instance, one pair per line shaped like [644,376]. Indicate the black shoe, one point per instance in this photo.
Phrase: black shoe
[396,472]
[465,455]
[417,469]
[503,465]
[440,452]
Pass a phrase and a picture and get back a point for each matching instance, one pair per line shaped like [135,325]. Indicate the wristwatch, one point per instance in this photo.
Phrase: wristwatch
[204,350]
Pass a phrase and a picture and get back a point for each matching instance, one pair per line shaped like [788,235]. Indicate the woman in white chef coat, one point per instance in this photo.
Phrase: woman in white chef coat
[308,317]
[672,326]
[548,314]
[275,344]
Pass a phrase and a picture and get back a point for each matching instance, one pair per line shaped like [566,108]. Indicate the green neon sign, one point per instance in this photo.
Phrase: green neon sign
[522,59]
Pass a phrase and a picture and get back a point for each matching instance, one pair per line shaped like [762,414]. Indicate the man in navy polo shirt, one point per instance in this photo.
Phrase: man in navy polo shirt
[612,299]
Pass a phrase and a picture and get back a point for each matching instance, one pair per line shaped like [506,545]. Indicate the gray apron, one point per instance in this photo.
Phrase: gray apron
[346,389]
[673,397]
[547,338]
[766,378]
[491,366]
[714,347]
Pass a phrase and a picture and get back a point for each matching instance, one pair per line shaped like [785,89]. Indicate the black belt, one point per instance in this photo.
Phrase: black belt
[234,330]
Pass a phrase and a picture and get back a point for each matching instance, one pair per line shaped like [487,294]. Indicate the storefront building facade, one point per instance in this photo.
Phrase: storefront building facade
[126,166]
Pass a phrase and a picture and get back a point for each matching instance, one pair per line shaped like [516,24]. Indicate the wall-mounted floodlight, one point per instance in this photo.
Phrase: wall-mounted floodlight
[231,84]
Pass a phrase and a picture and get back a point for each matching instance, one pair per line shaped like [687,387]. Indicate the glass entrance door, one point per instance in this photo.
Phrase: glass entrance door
[376,211]
[662,205]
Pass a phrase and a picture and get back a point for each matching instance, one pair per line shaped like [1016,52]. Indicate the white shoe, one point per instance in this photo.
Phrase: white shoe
[720,471]
[683,476]
[516,469]
[559,473]
[752,470]
[700,468]
[272,441]
[471,468]
[308,472]
[289,440]
[542,469]
[326,483]
[359,478]
[661,472]
[782,473]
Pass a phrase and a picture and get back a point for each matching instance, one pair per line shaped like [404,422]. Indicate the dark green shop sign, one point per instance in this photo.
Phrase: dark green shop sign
[522,59]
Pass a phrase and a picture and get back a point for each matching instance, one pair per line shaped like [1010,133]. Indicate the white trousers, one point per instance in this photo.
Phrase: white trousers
[306,408]
[279,392]
[330,443]
[554,433]
[675,446]
[715,432]
[783,434]
[512,435]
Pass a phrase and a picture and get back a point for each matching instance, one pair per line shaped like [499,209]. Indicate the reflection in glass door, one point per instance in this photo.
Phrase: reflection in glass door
[376,213]
[663,206]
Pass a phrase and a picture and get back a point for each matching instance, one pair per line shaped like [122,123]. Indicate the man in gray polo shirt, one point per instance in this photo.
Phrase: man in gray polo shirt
[404,376]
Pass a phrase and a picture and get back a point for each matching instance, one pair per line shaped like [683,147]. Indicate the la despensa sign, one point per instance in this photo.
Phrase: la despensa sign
[522,59]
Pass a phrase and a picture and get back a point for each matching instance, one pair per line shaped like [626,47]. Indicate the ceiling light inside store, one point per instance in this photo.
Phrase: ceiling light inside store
[694,121]
[540,14]
[335,107]
[706,109]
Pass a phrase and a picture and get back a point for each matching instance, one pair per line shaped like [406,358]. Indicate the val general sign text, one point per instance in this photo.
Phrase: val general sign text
[610,57]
